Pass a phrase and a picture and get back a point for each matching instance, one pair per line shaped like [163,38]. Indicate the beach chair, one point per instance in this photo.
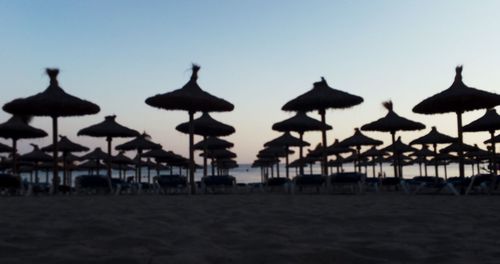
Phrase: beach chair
[481,184]
[92,184]
[309,181]
[278,184]
[429,185]
[352,181]
[218,184]
[10,184]
[172,184]
[393,183]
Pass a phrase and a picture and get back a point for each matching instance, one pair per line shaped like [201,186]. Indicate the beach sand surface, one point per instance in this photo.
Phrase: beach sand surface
[257,228]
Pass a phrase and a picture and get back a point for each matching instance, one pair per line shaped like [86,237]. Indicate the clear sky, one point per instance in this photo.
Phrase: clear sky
[256,54]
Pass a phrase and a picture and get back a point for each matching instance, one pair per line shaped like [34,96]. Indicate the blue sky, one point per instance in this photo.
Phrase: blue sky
[255,54]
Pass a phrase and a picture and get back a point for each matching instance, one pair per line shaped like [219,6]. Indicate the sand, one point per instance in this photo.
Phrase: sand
[265,228]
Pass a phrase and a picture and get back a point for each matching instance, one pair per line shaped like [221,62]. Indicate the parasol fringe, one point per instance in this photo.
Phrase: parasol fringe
[388,105]
[195,68]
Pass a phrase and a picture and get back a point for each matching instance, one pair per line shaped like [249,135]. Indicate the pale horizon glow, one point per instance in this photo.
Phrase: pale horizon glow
[257,54]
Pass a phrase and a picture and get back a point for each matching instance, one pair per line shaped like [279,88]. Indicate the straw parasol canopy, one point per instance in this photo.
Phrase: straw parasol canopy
[322,97]
[206,126]
[357,140]
[140,143]
[17,127]
[286,140]
[434,137]
[213,143]
[190,98]
[54,102]
[490,122]
[4,148]
[219,154]
[458,148]
[391,123]
[36,155]
[109,129]
[300,123]
[121,159]
[458,98]
[96,154]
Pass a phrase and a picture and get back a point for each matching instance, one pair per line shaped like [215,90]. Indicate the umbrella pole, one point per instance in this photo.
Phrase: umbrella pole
[493,160]
[286,163]
[323,139]
[435,164]
[419,168]
[108,139]
[394,163]
[205,157]
[191,153]
[358,160]
[14,156]
[213,166]
[425,167]
[65,177]
[445,172]
[55,174]
[301,154]
[460,151]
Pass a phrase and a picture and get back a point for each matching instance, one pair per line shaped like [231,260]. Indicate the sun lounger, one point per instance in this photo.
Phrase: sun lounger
[9,184]
[315,181]
[92,184]
[278,184]
[172,183]
[218,184]
[432,185]
[349,180]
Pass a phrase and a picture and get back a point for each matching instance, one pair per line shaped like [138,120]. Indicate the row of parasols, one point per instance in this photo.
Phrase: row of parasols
[54,102]
[458,98]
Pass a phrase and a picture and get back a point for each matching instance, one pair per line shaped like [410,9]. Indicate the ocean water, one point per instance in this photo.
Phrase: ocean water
[246,174]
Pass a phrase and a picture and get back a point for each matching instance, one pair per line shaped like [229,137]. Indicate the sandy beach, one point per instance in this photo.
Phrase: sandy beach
[267,228]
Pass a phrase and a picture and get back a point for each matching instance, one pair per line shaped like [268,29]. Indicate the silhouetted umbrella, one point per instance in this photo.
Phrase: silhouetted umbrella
[397,148]
[52,102]
[458,148]
[391,123]
[213,143]
[286,140]
[140,143]
[89,165]
[373,152]
[434,137]
[422,155]
[97,154]
[65,146]
[109,129]
[193,99]
[274,153]
[458,98]
[490,122]
[322,97]
[206,126]
[219,154]
[300,123]
[35,156]
[357,140]
[4,148]
[16,128]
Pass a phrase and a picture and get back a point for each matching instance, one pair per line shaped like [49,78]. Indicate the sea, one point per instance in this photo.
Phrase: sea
[245,173]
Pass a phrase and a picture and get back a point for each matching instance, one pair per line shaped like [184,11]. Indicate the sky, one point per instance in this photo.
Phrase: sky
[256,54]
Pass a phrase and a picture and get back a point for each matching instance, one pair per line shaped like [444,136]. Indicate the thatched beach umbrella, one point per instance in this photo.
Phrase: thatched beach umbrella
[65,146]
[490,122]
[5,149]
[322,97]
[434,137]
[96,154]
[422,155]
[391,123]
[300,123]
[357,140]
[374,153]
[211,143]
[55,103]
[16,128]
[206,126]
[286,140]
[274,153]
[35,156]
[140,143]
[398,148]
[458,98]
[190,98]
[109,129]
